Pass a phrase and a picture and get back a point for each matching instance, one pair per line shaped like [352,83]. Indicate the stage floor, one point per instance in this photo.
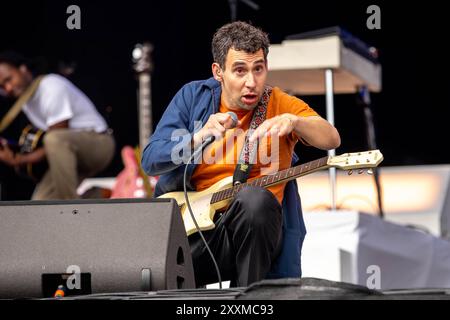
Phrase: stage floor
[279,289]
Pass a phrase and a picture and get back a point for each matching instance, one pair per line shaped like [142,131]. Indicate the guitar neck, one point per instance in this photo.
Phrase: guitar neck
[270,180]
[145,109]
[143,66]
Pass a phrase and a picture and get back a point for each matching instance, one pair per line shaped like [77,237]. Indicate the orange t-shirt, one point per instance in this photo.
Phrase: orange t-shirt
[220,158]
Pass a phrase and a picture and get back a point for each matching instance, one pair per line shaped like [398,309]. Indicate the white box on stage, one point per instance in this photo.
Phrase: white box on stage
[363,249]
[417,196]
[297,65]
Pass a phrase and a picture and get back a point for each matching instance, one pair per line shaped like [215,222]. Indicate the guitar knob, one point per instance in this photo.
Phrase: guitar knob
[361,171]
[350,172]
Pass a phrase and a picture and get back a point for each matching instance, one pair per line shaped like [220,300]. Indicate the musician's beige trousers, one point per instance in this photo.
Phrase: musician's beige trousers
[72,156]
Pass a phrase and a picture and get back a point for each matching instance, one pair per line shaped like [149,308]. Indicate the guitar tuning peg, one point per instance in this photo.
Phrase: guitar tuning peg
[360,171]
[350,172]
[370,172]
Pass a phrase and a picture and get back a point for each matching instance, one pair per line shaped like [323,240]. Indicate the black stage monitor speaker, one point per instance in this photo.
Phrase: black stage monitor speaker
[87,246]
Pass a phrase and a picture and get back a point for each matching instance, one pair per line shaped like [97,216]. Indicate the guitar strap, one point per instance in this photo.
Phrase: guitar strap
[17,107]
[248,153]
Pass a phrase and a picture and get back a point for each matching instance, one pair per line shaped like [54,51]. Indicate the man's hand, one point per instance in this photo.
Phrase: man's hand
[280,126]
[216,126]
[314,130]
[6,154]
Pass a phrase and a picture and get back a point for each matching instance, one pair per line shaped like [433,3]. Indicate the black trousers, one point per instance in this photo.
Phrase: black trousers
[245,241]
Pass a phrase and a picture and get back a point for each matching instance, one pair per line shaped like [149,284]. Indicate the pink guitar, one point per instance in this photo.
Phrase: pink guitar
[132,182]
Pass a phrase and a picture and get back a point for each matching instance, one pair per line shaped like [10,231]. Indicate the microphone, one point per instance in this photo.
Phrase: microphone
[234,117]
[210,139]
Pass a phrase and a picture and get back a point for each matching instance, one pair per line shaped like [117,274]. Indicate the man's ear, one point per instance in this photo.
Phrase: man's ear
[217,71]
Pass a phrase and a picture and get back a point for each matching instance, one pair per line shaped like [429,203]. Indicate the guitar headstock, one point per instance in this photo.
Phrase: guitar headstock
[142,57]
[356,160]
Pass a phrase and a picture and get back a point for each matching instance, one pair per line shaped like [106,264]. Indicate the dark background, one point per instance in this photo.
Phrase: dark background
[411,113]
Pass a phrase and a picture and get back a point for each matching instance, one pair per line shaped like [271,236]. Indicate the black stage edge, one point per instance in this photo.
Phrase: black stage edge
[268,299]
[278,289]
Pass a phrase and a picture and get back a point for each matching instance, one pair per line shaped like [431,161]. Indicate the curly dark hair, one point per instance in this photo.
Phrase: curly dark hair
[239,36]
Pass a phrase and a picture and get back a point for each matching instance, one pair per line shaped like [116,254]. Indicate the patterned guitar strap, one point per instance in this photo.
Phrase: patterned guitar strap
[249,150]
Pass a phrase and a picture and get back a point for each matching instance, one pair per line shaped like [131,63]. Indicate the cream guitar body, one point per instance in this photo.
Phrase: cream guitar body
[201,205]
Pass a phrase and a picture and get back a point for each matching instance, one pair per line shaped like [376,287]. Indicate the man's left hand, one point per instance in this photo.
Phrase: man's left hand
[281,125]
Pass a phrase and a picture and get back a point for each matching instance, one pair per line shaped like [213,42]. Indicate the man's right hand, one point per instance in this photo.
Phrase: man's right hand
[216,126]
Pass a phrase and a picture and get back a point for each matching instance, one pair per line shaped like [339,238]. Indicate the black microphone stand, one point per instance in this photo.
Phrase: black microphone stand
[363,99]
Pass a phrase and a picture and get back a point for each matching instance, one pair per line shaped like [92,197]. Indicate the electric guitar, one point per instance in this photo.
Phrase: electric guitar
[132,182]
[216,198]
[30,139]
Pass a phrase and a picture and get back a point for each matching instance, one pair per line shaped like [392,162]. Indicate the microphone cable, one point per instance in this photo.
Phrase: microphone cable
[186,197]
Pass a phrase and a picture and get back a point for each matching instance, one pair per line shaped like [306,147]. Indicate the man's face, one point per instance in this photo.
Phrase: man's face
[243,78]
[14,80]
